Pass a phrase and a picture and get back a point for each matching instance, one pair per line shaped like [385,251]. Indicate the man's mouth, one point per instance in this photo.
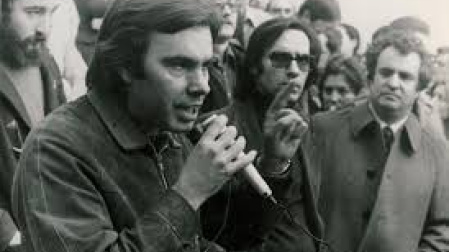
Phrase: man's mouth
[188,112]
[390,96]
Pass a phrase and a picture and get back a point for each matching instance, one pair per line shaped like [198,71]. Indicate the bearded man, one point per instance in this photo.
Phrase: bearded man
[30,87]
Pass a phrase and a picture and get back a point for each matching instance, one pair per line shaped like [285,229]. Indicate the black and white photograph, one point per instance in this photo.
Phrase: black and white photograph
[224,126]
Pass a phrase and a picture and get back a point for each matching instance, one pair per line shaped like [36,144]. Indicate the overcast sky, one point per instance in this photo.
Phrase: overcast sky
[368,15]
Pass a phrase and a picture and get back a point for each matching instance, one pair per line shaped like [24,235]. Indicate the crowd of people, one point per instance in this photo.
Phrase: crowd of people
[219,125]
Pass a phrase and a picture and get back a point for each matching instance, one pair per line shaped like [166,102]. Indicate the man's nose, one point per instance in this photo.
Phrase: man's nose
[293,70]
[44,24]
[334,96]
[199,82]
[226,10]
[394,81]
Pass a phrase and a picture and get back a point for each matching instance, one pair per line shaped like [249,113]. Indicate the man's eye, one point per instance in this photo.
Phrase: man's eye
[176,68]
[35,11]
[343,91]
[386,72]
[328,91]
[406,76]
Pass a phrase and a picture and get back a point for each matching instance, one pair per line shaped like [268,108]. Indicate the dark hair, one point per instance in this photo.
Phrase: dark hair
[380,32]
[5,7]
[353,34]
[334,40]
[405,42]
[261,40]
[126,33]
[350,68]
[433,88]
[327,10]
[443,50]
[411,23]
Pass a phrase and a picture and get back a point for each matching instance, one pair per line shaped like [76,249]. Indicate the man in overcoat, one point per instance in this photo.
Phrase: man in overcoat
[385,176]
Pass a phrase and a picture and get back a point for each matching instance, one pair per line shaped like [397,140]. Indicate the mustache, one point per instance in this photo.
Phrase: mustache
[38,38]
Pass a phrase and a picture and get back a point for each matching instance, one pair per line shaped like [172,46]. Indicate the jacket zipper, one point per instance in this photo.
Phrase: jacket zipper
[160,164]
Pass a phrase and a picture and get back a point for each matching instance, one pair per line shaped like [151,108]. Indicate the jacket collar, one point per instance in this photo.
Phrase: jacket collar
[411,133]
[9,92]
[110,107]
[52,88]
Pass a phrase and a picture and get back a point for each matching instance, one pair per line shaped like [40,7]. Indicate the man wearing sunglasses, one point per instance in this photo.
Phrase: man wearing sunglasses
[279,65]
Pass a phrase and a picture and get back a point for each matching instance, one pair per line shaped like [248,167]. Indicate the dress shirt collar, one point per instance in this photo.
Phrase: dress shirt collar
[362,117]
[395,127]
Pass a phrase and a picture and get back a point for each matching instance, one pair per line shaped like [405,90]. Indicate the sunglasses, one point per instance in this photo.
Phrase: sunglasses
[284,60]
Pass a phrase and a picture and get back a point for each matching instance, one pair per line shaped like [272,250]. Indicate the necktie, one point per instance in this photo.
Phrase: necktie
[388,137]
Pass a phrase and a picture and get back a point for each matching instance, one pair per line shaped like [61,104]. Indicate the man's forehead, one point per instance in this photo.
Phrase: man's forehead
[227,1]
[194,42]
[39,3]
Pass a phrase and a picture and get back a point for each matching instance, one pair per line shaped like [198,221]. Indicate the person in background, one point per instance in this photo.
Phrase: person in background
[321,14]
[228,57]
[439,93]
[281,8]
[90,11]
[443,56]
[113,170]
[280,64]
[331,43]
[61,42]
[30,87]
[427,112]
[415,25]
[250,18]
[440,90]
[350,40]
[258,4]
[324,16]
[384,175]
[343,80]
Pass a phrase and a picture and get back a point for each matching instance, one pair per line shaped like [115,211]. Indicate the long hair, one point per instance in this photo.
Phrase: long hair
[125,34]
[261,40]
[5,11]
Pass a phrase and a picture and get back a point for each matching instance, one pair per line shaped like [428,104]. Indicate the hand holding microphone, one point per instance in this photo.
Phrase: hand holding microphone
[249,172]
[217,156]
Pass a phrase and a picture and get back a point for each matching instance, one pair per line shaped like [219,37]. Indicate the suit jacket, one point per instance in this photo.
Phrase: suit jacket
[15,124]
[411,204]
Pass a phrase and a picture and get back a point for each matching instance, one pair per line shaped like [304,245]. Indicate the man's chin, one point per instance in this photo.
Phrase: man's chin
[226,33]
[389,106]
[182,127]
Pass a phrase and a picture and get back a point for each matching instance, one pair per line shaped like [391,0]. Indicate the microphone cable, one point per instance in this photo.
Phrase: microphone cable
[225,218]
[284,209]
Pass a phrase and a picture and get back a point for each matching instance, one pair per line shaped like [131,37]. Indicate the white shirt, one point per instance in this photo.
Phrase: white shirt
[395,127]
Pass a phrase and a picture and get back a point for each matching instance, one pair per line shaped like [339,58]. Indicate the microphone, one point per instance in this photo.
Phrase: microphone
[250,173]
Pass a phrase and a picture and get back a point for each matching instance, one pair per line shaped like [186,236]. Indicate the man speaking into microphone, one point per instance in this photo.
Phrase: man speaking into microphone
[113,171]
[280,62]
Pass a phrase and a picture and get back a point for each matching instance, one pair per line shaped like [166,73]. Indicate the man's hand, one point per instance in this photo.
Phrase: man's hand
[283,126]
[216,157]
